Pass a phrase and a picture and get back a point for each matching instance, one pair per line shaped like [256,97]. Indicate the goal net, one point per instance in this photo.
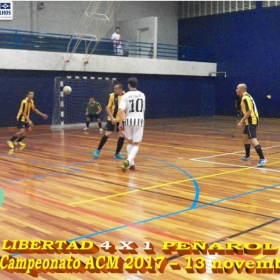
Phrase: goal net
[69,110]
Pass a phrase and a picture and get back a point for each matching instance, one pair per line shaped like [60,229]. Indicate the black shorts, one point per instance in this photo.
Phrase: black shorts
[250,130]
[111,127]
[22,124]
[93,116]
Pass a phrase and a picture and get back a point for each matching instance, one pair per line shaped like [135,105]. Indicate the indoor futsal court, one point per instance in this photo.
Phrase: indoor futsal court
[189,185]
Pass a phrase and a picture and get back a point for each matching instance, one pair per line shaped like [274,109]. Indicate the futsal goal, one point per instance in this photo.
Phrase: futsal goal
[69,110]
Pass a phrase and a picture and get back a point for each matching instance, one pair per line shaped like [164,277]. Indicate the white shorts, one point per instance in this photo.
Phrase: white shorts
[134,133]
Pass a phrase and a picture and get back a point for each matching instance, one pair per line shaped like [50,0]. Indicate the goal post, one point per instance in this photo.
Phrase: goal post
[69,110]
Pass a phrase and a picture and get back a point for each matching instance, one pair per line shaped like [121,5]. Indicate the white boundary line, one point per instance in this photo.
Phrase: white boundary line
[234,165]
[220,155]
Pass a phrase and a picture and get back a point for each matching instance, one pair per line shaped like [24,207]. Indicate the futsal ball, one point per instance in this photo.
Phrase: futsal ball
[67,90]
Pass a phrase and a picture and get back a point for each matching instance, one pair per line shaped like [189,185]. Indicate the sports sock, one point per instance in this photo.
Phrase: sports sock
[87,123]
[20,138]
[102,142]
[128,148]
[133,153]
[119,144]
[13,138]
[259,151]
[247,149]
[99,124]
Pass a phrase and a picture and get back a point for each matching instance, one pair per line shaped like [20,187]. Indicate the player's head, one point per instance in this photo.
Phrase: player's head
[118,89]
[30,95]
[241,88]
[132,83]
[117,30]
[91,99]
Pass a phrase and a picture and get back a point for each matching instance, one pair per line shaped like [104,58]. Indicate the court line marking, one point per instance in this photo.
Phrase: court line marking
[146,143]
[206,204]
[235,165]
[136,224]
[191,178]
[235,235]
[170,183]
[41,162]
[197,190]
[238,152]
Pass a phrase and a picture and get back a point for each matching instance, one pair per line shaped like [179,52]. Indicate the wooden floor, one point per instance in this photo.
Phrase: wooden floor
[189,185]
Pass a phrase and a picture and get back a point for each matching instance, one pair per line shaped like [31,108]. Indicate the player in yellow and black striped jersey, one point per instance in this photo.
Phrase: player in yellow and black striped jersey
[112,109]
[251,120]
[24,121]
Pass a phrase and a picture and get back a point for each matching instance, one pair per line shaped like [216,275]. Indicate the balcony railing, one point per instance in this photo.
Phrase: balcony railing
[37,41]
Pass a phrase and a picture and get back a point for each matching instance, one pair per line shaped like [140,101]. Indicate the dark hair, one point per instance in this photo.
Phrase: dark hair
[133,82]
[119,85]
[117,28]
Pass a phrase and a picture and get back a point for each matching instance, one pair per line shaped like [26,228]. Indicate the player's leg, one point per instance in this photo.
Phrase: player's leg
[119,143]
[136,138]
[128,135]
[135,133]
[254,141]
[109,129]
[88,120]
[21,127]
[26,132]
[247,145]
[99,123]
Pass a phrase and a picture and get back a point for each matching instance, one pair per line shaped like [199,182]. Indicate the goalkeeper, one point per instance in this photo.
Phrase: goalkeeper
[93,110]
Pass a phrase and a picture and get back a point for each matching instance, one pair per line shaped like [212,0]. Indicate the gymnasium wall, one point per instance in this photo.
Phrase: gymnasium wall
[247,48]
[63,17]
[167,96]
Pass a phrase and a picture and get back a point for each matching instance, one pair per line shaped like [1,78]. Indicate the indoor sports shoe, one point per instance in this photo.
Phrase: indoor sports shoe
[246,158]
[86,128]
[21,144]
[119,156]
[132,167]
[125,165]
[262,162]
[96,153]
[100,130]
[10,144]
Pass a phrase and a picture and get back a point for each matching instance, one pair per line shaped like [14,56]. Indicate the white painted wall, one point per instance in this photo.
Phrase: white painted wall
[140,30]
[63,17]
[166,11]
[35,60]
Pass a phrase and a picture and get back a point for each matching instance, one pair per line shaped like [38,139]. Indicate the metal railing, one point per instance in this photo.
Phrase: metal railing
[51,42]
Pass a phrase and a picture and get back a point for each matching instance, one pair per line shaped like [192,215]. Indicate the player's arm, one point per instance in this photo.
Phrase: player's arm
[86,110]
[99,109]
[247,114]
[121,119]
[27,119]
[44,116]
[122,108]
[108,110]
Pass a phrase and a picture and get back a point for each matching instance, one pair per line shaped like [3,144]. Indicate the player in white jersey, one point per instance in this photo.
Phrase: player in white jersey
[133,104]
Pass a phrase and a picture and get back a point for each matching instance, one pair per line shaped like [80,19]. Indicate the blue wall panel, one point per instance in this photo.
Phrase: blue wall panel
[167,96]
[247,48]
